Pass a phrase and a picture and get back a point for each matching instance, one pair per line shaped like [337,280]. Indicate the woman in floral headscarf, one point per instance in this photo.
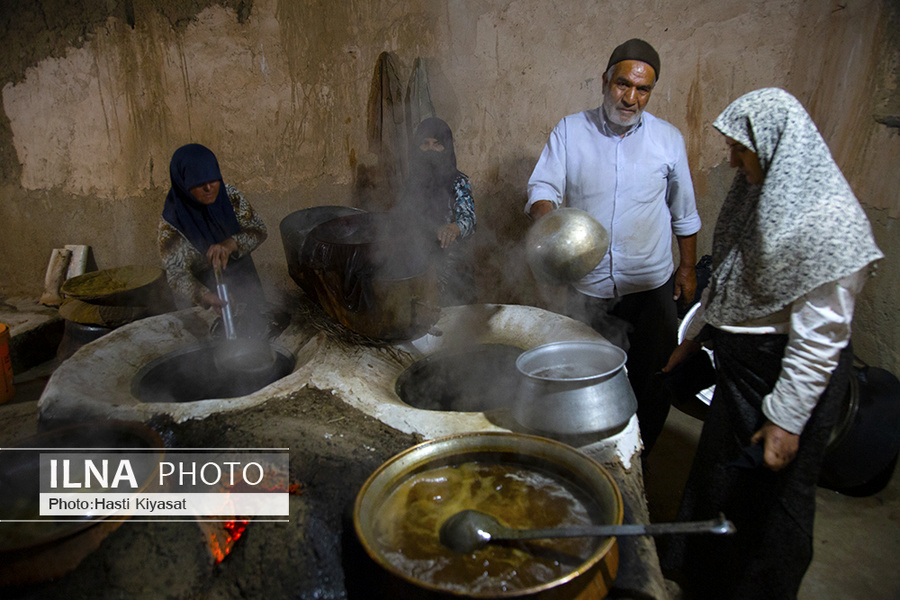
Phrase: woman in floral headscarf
[437,201]
[207,223]
[791,250]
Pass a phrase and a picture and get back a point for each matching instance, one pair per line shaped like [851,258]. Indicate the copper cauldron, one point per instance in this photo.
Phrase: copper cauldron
[524,480]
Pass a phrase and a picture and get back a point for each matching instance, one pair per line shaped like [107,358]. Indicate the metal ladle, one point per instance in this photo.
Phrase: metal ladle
[227,319]
[469,530]
[249,357]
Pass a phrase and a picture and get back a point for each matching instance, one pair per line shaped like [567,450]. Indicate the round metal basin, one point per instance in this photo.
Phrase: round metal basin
[470,379]
[399,510]
[189,374]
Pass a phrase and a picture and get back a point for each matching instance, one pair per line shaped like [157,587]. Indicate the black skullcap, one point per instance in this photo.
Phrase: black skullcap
[635,49]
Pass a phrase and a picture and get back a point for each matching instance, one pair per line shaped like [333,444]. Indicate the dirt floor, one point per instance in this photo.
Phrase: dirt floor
[333,449]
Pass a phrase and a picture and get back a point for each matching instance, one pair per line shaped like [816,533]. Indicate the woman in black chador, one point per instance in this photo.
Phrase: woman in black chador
[438,202]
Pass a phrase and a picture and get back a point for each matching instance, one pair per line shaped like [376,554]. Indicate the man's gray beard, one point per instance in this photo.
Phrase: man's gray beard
[613,117]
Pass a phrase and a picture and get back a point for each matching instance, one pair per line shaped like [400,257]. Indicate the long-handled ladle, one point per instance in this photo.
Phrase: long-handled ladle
[227,318]
[245,356]
[469,530]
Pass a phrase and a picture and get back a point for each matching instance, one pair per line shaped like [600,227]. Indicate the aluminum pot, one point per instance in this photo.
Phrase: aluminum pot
[590,580]
[573,388]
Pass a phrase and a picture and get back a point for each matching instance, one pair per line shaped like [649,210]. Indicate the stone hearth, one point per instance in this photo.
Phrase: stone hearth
[96,381]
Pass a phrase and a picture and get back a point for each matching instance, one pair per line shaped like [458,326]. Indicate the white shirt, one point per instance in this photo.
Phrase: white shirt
[818,328]
[637,186]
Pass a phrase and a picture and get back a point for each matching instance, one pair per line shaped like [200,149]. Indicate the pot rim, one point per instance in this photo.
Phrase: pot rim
[608,347]
[410,461]
[91,433]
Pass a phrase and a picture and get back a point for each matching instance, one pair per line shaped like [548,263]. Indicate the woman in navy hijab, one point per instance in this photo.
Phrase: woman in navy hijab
[205,224]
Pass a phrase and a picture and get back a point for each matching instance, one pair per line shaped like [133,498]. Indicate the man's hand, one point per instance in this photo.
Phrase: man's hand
[218,254]
[540,208]
[686,276]
[780,445]
[685,285]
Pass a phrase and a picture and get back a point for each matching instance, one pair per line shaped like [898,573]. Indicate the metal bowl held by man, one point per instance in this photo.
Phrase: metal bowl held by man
[524,481]
[370,274]
[565,245]
[574,387]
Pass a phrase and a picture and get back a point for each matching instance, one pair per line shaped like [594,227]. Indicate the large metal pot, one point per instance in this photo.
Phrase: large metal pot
[294,229]
[573,388]
[570,468]
[370,274]
[862,451]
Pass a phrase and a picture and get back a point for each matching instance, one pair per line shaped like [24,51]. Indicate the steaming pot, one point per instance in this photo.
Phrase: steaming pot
[574,387]
[369,274]
[567,467]
[295,228]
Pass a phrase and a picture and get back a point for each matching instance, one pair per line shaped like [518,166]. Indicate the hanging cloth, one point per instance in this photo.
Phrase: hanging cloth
[386,127]
[418,98]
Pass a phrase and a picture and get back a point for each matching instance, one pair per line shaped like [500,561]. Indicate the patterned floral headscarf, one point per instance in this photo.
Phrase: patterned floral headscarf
[801,228]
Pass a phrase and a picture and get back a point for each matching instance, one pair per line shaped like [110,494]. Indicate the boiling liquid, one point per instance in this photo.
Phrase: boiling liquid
[406,528]
[574,371]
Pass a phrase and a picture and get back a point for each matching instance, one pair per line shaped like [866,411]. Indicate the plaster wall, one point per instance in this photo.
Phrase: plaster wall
[97,96]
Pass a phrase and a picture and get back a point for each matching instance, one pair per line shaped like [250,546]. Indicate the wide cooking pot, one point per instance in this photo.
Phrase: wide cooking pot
[132,285]
[399,510]
[34,548]
[864,444]
[369,274]
[294,229]
[573,388]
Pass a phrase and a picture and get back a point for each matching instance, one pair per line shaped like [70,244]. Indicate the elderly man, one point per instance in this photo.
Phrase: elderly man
[629,170]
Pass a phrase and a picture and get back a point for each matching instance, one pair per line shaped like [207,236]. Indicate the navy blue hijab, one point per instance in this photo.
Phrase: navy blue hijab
[203,225]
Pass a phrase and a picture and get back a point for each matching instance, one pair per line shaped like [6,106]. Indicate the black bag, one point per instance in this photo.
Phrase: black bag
[689,377]
[863,449]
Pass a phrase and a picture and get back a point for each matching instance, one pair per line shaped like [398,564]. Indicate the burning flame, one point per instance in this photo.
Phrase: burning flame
[222,536]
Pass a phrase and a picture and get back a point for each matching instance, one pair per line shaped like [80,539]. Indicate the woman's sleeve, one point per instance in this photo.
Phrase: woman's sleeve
[464,206]
[178,255]
[253,231]
[698,322]
[820,329]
